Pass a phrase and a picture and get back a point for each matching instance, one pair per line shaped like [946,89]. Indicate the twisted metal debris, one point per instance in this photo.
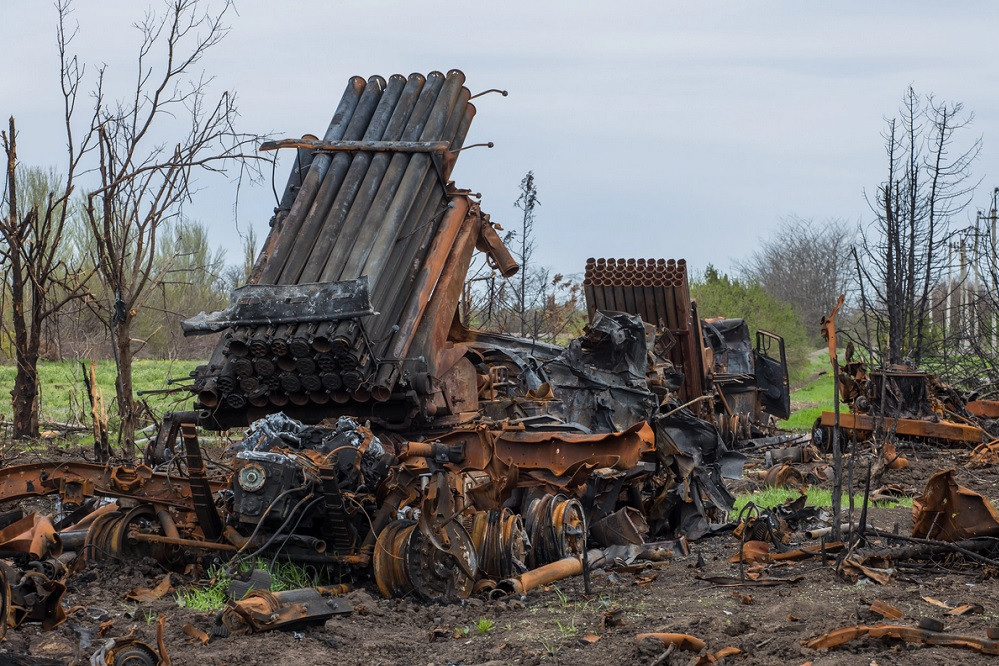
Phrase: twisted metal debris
[388,439]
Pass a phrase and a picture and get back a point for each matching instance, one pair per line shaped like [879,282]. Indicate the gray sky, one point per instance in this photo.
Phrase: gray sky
[656,129]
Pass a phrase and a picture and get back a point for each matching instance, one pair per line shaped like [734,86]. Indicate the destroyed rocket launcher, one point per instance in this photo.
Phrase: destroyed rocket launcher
[353,293]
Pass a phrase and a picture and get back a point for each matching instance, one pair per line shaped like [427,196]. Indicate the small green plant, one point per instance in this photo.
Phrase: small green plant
[287,575]
[209,597]
[568,629]
[149,616]
[563,598]
[206,599]
[551,647]
[484,626]
[462,632]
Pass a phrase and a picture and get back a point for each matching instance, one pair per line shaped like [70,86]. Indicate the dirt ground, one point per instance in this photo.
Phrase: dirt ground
[562,625]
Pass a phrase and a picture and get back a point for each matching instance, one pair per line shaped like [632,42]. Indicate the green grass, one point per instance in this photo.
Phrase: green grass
[206,598]
[211,597]
[770,497]
[814,395]
[63,396]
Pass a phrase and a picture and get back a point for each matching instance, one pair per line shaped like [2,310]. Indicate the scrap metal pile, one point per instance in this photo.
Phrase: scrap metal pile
[909,403]
[389,441]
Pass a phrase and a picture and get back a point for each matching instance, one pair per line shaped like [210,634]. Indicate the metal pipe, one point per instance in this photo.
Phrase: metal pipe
[422,290]
[301,166]
[375,180]
[403,179]
[549,573]
[73,539]
[177,541]
[310,186]
[167,523]
[340,185]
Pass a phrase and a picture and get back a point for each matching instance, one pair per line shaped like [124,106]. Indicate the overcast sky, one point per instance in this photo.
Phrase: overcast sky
[655,129]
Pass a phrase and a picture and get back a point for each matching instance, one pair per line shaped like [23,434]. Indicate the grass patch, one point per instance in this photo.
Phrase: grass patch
[812,396]
[285,575]
[63,397]
[206,598]
[770,497]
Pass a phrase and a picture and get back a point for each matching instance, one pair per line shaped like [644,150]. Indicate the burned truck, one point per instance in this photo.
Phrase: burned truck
[389,440]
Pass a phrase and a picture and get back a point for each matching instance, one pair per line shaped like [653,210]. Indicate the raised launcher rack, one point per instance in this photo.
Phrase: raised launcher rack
[743,388]
[354,291]
[656,290]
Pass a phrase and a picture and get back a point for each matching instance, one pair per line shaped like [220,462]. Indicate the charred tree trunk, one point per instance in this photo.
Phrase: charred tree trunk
[123,386]
[24,396]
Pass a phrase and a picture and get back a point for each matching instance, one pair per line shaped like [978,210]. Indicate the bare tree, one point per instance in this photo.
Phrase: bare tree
[902,254]
[535,303]
[145,148]
[526,202]
[804,264]
[35,206]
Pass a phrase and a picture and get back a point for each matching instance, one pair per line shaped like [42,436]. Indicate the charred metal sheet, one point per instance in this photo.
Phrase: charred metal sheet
[269,304]
[600,378]
[905,633]
[947,511]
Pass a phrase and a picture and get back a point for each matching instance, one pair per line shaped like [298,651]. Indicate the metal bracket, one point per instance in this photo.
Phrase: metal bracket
[359,146]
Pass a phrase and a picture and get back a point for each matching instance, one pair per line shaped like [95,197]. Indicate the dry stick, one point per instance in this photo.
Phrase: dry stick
[97,412]
[837,453]
[945,545]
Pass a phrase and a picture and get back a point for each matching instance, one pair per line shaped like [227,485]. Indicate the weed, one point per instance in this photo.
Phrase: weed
[563,598]
[62,397]
[208,598]
[462,632]
[149,616]
[568,629]
[287,575]
[484,626]
[771,497]
[551,647]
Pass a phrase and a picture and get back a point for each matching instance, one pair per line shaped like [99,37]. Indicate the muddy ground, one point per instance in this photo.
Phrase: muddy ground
[561,624]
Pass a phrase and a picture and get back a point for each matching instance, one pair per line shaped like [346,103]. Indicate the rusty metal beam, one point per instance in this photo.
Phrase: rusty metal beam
[985,409]
[141,483]
[863,425]
[359,146]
